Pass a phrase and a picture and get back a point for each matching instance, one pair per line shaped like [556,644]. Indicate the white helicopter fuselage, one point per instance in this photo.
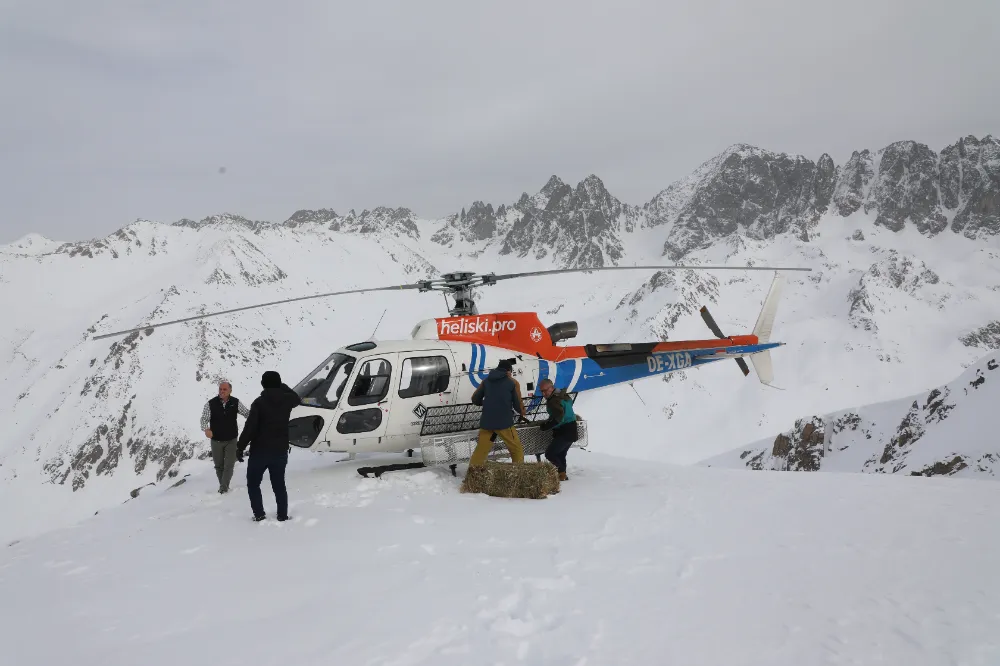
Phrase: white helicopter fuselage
[386,387]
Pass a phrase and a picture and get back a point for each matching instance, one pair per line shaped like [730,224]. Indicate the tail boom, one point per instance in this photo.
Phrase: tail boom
[587,374]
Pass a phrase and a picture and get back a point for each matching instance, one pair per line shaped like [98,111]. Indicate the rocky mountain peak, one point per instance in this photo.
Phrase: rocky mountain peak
[970,185]
[853,183]
[743,150]
[228,218]
[592,193]
[378,220]
[479,223]
[223,220]
[323,216]
[749,191]
[553,185]
[906,189]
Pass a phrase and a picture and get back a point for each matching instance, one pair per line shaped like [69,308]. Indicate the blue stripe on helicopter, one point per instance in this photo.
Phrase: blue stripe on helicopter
[593,376]
[476,375]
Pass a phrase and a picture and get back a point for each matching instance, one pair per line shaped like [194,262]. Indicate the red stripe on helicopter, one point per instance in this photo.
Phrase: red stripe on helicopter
[523,332]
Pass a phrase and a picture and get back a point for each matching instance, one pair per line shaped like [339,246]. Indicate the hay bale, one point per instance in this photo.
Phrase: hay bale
[526,481]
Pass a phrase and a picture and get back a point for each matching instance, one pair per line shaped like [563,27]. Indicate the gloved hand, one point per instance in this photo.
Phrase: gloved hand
[547,425]
[239,456]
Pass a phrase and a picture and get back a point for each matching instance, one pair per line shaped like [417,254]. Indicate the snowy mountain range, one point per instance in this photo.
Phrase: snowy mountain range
[749,192]
[947,431]
[905,292]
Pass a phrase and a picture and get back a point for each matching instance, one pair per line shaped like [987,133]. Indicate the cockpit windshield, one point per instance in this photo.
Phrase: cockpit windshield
[324,385]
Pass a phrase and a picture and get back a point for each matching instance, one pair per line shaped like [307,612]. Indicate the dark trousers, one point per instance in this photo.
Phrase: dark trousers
[274,463]
[557,450]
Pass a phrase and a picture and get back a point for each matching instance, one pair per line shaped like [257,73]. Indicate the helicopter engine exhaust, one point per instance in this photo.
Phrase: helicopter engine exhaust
[562,331]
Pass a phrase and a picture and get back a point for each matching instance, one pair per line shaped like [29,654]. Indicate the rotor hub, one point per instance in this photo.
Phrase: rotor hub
[459,285]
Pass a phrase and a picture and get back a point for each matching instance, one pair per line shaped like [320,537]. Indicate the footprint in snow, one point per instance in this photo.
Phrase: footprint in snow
[191,551]
[58,564]
[513,614]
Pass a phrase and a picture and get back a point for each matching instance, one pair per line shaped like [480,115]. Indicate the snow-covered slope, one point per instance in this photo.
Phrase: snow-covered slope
[949,430]
[886,312]
[628,564]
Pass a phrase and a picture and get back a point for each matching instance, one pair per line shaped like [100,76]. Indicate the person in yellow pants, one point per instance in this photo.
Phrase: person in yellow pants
[500,396]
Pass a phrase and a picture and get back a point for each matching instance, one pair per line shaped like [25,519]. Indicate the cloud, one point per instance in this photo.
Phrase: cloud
[119,110]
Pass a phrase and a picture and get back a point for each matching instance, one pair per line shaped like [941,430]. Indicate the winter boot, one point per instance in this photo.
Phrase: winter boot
[284,518]
[259,518]
[563,477]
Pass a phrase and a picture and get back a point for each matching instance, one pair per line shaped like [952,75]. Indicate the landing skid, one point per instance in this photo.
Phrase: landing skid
[379,470]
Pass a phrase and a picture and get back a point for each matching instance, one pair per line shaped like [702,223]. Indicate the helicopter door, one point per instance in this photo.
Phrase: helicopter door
[426,379]
[365,415]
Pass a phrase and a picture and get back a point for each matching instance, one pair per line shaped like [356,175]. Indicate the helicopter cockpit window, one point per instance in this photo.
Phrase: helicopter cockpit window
[323,386]
[372,383]
[424,375]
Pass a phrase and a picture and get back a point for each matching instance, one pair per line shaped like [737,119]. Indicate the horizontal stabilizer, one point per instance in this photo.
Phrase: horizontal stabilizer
[762,365]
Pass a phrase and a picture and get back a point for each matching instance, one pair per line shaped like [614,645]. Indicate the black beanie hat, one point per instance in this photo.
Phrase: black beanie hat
[506,364]
[270,379]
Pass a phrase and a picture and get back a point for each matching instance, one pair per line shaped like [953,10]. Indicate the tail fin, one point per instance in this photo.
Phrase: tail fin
[765,321]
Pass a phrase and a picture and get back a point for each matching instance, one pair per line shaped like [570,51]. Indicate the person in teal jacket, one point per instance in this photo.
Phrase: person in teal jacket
[562,423]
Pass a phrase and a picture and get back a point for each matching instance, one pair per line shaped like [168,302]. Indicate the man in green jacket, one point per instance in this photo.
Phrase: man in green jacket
[562,423]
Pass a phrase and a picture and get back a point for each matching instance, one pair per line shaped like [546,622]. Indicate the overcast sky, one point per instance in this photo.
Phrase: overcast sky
[117,110]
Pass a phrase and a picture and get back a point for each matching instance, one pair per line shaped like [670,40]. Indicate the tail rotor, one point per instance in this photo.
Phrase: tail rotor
[710,321]
[762,329]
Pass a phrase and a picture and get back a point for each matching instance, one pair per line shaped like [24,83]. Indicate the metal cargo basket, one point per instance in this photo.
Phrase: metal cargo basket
[449,433]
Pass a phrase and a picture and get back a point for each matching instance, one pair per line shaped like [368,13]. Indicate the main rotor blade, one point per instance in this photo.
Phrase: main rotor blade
[508,276]
[259,305]
[743,366]
[711,322]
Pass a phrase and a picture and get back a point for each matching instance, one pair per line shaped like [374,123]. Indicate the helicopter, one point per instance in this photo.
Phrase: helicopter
[392,384]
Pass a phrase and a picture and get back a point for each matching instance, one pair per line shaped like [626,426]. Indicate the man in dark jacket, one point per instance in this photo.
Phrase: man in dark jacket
[266,433]
[562,423]
[218,421]
[500,397]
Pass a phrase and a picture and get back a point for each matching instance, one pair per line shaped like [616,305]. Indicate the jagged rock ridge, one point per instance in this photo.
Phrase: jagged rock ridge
[945,431]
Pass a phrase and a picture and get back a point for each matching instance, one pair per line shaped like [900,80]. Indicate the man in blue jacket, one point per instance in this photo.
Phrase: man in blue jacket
[500,396]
